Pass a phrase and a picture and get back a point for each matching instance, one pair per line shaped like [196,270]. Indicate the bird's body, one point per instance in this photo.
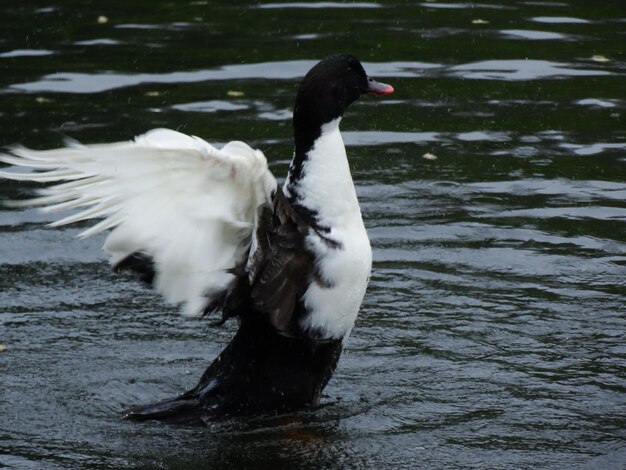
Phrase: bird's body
[209,229]
[338,241]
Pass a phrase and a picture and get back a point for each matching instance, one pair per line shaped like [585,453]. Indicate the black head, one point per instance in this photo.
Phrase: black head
[328,89]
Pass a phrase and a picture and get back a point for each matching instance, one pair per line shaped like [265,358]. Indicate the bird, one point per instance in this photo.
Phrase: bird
[212,231]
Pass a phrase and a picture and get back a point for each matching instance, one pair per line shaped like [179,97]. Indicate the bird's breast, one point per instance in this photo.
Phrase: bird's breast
[332,305]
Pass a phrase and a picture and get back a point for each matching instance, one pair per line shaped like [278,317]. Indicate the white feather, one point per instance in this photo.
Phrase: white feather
[189,206]
[327,189]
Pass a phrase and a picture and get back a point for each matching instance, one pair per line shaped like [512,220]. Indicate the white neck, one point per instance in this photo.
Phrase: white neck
[326,186]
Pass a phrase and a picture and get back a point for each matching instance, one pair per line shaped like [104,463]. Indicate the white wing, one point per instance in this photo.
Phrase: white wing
[176,199]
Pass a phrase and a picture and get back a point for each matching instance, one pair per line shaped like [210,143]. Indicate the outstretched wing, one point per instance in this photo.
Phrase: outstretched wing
[182,212]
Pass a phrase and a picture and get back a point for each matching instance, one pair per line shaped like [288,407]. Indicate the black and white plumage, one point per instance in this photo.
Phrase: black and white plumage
[209,229]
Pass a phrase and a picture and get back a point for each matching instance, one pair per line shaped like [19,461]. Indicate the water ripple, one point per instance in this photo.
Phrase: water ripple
[598,102]
[175,26]
[573,189]
[533,35]
[559,20]
[595,148]
[315,5]
[98,42]
[464,6]
[73,82]
[522,70]
[26,53]
[358,138]
[211,106]
[588,212]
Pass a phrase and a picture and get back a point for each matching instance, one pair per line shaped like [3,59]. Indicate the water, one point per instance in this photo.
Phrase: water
[492,334]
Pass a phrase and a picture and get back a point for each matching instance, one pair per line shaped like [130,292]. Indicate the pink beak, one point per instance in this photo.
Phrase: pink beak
[377,88]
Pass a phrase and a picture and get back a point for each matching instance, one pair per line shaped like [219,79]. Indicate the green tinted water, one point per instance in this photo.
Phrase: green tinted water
[493,331]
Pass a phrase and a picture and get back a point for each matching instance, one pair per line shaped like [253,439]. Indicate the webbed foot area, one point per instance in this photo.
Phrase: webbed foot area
[179,410]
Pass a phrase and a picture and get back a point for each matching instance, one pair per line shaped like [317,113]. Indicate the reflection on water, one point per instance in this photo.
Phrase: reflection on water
[65,82]
[324,5]
[534,35]
[210,106]
[492,334]
[465,6]
[559,20]
[520,70]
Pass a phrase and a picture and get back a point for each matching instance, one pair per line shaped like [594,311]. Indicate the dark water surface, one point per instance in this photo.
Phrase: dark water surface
[493,331]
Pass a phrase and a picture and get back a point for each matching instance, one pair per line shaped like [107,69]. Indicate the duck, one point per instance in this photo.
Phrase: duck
[212,231]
